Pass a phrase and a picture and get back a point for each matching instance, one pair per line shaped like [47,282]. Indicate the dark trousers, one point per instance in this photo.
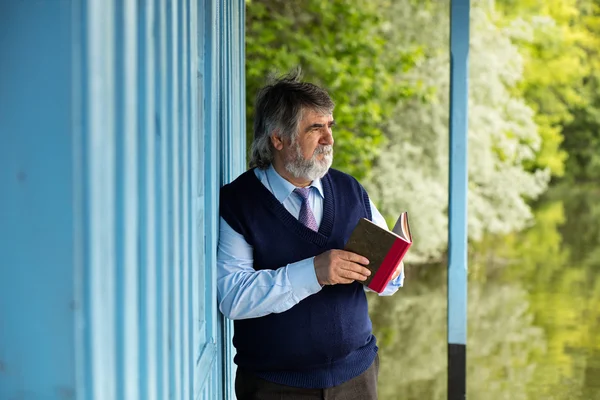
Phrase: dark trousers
[364,387]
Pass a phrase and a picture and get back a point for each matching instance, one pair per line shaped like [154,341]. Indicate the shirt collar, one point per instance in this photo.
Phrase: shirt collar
[283,188]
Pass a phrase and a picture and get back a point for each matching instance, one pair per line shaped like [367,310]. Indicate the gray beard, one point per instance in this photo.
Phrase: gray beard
[313,168]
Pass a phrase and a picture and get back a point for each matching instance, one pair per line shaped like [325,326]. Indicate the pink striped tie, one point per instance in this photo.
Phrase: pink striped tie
[306,215]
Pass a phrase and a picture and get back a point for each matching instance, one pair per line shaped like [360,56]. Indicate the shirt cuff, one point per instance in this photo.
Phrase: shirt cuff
[303,278]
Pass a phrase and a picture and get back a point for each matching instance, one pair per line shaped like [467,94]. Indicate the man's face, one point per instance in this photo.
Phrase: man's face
[310,155]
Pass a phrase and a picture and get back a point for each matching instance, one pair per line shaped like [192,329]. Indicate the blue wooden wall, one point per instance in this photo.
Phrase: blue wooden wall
[119,121]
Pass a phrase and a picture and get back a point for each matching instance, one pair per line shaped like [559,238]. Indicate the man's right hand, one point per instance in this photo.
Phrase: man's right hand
[340,266]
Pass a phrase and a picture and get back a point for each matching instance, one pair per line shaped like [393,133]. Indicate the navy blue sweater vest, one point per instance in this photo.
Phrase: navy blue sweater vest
[326,339]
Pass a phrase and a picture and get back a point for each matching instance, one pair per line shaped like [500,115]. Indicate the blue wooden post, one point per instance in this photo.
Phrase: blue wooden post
[457,232]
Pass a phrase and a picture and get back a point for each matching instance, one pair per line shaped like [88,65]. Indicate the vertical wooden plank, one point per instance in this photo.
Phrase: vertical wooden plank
[192,267]
[225,104]
[131,305]
[38,298]
[230,116]
[185,200]
[161,195]
[126,200]
[457,232]
[239,85]
[210,180]
[197,177]
[100,157]
[148,200]
[174,192]
[79,108]
[204,49]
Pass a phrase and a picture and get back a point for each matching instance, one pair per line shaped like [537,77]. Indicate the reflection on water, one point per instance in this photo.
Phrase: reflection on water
[534,313]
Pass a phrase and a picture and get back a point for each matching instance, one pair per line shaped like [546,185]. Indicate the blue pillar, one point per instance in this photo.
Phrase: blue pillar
[457,232]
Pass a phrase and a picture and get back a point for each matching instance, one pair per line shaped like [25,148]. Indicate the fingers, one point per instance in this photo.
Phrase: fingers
[350,267]
[354,271]
[341,267]
[355,258]
[353,275]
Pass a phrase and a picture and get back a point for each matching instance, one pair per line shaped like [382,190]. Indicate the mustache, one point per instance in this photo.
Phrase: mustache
[325,149]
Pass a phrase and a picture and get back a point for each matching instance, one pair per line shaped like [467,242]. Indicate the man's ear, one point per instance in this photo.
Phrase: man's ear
[276,140]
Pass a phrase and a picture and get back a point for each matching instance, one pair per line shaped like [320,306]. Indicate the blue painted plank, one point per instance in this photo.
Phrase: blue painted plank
[38,306]
[197,228]
[127,307]
[99,256]
[162,197]
[173,198]
[186,338]
[148,202]
[212,140]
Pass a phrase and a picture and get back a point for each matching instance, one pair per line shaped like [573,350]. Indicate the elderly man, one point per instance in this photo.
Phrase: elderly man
[302,329]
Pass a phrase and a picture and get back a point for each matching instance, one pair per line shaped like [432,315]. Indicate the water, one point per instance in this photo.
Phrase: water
[534,313]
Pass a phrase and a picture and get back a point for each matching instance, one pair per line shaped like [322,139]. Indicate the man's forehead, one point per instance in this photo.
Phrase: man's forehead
[312,115]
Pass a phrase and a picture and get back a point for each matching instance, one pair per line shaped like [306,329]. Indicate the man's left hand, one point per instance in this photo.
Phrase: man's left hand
[398,270]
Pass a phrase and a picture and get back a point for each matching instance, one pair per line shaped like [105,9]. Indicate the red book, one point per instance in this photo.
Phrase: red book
[383,248]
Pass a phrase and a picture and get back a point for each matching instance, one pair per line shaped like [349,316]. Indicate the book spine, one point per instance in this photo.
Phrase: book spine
[388,266]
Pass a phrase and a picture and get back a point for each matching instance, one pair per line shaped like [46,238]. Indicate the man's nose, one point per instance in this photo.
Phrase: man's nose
[327,138]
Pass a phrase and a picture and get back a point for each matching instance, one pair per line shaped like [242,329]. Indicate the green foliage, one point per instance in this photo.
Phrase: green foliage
[560,46]
[340,45]
[582,136]
[503,135]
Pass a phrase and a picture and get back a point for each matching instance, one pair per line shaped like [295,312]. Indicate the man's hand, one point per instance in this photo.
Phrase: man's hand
[398,270]
[339,266]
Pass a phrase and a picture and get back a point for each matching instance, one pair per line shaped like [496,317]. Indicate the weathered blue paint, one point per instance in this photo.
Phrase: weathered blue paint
[119,121]
[457,235]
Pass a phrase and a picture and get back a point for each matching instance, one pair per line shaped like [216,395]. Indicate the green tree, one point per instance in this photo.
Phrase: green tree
[582,137]
[562,39]
[339,44]
[582,134]
[411,172]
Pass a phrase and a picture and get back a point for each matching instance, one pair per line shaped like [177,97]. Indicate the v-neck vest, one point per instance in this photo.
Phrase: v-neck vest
[326,339]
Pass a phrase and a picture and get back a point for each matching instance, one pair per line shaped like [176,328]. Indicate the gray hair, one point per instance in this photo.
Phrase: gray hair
[279,107]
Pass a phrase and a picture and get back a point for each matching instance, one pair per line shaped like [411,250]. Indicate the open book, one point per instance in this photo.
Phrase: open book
[383,248]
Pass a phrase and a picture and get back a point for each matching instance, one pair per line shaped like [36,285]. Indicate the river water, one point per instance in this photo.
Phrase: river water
[533,313]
